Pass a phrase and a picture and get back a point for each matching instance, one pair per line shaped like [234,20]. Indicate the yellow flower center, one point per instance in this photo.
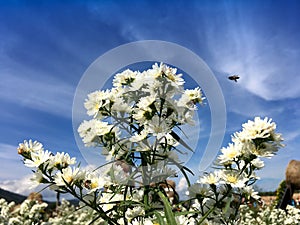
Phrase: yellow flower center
[232,179]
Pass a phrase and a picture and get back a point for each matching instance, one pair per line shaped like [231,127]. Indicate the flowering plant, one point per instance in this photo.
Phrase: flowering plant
[137,124]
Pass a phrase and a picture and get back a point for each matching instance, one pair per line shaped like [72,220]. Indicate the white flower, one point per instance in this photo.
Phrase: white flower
[145,102]
[118,175]
[249,191]
[69,175]
[156,70]
[211,178]
[124,78]
[94,181]
[96,100]
[258,163]
[229,153]
[88,130]
[190,97]
[61,160]
[176,79]
[100,128]
[37,158]
[29,146]
[198,189]
[36,179]
[158,127]
[259,128]
[121,106]
[134,212]
[108,200]
[139,137]
[234,178]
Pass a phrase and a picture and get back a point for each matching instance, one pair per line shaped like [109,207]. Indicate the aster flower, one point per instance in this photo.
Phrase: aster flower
[69,175]
[229,154]
[189,98]
[258,128]
[36,179]
[61,160]
[30,146]
[95,101]
[89,130]
[210,178]
[250,193]
[234,178]
[94,181]
[176,79]
[37,158]
[124,78]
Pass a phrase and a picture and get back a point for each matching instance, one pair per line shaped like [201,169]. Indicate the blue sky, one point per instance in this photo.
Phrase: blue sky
[46,46]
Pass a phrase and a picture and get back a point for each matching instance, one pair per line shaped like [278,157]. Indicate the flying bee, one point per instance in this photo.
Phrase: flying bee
[234,77]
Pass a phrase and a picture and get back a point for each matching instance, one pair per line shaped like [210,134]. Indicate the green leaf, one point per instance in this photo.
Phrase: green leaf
[159,217]
[168,209]
[177,138]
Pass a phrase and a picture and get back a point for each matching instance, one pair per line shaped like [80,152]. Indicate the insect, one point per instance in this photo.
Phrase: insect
[234,77]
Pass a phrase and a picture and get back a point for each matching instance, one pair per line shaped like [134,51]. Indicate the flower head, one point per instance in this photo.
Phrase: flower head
[61,160]
[37,158]
[69,176]
[29,146]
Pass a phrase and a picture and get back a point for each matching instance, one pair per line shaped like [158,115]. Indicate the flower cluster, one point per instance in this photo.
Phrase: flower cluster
[28,213]
[231,184]
[135,120]
[269,216]
[136,124]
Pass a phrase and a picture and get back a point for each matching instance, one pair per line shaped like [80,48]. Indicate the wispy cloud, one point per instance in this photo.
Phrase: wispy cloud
[52,96]
[268,64]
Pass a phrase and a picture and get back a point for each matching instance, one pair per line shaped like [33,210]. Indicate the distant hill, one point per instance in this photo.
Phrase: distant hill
[18,199]
[10,196]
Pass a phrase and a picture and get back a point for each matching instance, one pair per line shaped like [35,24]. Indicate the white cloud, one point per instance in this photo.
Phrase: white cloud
[182,185]
[22,186]
[267,64]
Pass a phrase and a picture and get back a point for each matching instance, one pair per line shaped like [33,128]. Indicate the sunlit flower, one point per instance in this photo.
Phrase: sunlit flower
[145,102]
[259,128]
[88,130]
[136,211]
[137,137]
[124,78]
[158,127]
[120,106]
[94,181]
[36,179]
[198,189]
[229,153]
[109,199]
[211,178]
[176,79]
[234,178]
[258,163]
[96,100]
[250,192]
[156,70]
[37,158]
[61,160]
[69,176]
[30,146]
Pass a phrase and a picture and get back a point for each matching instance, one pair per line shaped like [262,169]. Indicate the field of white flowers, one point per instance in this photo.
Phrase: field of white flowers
[31,212]
[136,124]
